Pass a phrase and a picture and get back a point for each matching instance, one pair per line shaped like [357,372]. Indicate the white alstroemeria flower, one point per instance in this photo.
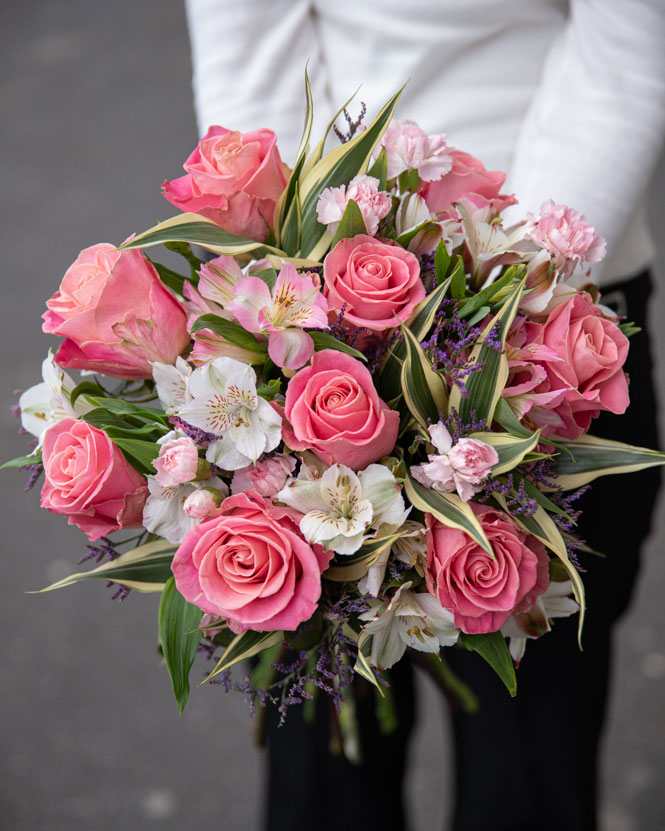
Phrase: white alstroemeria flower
[164,512]
[554,602]
[414,619]
[45,404]
[409,548]
[341,507]
[224,402]
[413,211]
[171,384]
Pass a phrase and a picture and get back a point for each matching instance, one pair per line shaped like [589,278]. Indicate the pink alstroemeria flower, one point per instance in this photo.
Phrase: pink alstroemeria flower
[295,304]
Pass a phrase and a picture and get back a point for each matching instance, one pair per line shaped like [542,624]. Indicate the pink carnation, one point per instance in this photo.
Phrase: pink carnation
[409,147]
[374,204]
[251,566]
[233,178]
[483,591]
[266,477]
[567,235]
[177,462]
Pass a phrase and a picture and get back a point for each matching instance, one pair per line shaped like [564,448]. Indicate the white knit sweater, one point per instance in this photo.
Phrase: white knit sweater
[568,98]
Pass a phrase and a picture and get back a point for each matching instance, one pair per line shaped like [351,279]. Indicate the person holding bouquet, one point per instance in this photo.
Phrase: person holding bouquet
[569,99]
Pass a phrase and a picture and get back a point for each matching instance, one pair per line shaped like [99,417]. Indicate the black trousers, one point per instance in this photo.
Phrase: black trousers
[523,764]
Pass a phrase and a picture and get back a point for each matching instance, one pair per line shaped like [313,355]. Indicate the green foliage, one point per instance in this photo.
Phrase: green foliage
[493,648]
[244,646]
[231,332]
[179,638]
[351,224]
[324,340]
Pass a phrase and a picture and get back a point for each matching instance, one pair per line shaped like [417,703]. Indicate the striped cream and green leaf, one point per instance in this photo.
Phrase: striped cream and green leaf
[542,526]
[419,325]
[198,230]
[179,638]
[485,385]
[337,168]
[505,416]
[287,219]
[424,390]
[589,457]
[356,566]
[448,508]
[362,665]
[145,569]
[511,450]
[244,646]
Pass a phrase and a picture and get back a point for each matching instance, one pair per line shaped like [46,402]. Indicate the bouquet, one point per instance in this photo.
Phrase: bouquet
[356,425]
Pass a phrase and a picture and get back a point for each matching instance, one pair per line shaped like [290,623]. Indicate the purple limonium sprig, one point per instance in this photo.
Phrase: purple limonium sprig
[103,548]
[459,429]
[197,435]
[518,502]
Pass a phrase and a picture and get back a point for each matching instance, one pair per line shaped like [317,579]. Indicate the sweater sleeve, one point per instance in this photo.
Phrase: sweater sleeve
[592,134]
[248,61]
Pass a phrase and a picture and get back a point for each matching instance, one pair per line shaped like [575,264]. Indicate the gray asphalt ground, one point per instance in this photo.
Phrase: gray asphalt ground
[96,112]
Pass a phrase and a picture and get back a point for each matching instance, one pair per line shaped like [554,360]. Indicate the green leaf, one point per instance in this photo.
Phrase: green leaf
[351,224]
[230,331]
[405,238]
[542,526]
[482,298]
[348,569]
[197,230]
[336,168]
[458,280]
[485,385]
[481,314]
[511,450]
[448,508]
[425,392]
[140,454]
[419,325]
[493,648]
[170,278]
[287,210]
[179,638]
[244,646]
[324,340]
[441,262]
[184,250]
[508,420]
[23,461]
[409,181]
[87,388]
[589,457]
[269,277]
[145,569]
[379,170]
[120,407]
[362,665]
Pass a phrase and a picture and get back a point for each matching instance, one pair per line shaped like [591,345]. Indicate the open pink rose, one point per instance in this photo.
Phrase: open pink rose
[467,179]
[115,314]
[88,480]
[233,178]
[251,566]
[587,355]
[333,409]
[480,591]
[377,283]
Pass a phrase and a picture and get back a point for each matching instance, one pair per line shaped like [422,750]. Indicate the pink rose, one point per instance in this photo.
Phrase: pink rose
[408,147]
[374,204]
[115,314]
[333,409]
[567,235]
[587,355]
[89,480]
[233,178]
[480,591]
[267,477]
[467,179]
[177,462]
[375,282]
[251,566]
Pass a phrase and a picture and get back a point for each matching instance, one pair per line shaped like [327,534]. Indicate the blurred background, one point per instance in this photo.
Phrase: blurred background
[96,112]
